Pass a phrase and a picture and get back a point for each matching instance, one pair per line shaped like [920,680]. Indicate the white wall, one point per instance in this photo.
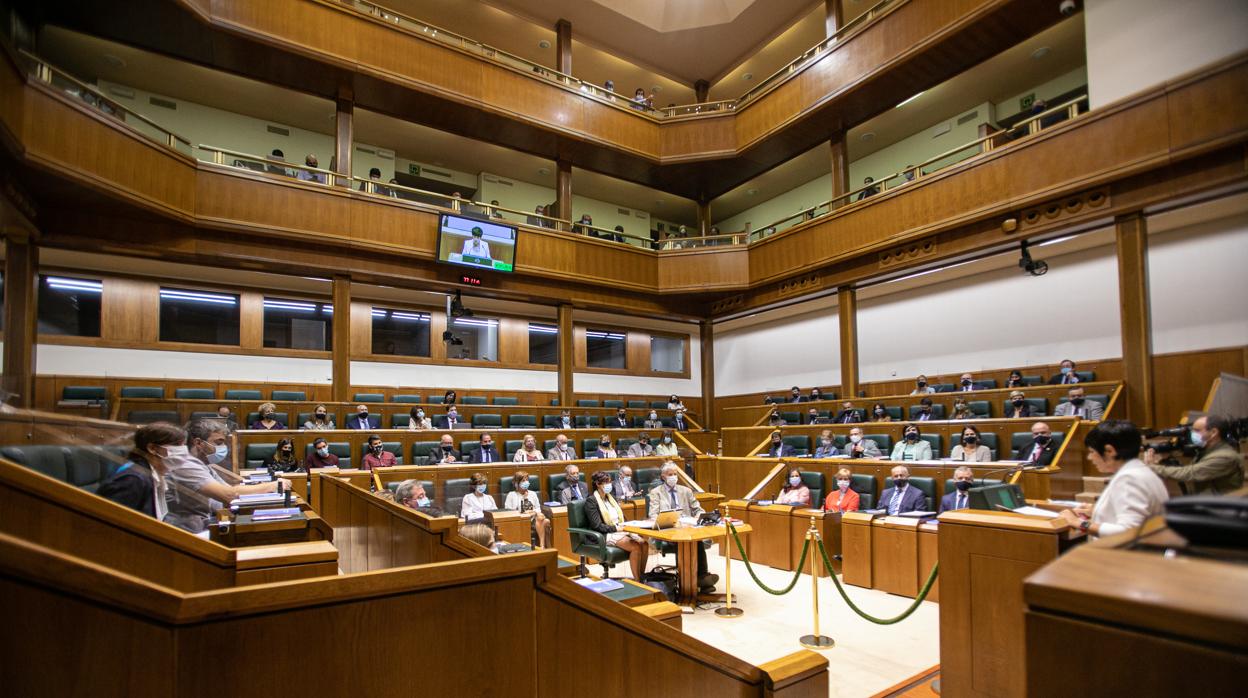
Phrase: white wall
[1198,285]
[1136,44]
[99,361]
[462,377]
[803,350]
[1048,91]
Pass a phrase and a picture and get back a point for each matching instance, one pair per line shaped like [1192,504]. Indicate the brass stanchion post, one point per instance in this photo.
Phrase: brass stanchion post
[815,641]
[728,610]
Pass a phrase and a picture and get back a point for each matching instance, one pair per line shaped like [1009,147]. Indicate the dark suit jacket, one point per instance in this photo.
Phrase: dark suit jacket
[680,425]
[911,499]
[799,398]
[1024,411]
[1046,456]
[782,451]
[131,486]
[354,422]
[948,501]
[853,415]
[1057,380]
[476,457]
[620,423]
[593,517]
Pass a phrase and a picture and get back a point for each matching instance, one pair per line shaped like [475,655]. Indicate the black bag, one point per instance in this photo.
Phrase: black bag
[664,580]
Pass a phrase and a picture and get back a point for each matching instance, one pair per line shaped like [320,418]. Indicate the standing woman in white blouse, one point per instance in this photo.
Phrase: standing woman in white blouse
[1133,495]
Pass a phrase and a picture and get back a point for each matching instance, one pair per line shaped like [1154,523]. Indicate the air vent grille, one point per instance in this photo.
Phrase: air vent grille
[967,117]
[162,103]
[277,130]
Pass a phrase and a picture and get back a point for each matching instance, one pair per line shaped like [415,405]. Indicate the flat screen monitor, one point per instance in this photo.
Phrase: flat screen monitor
[988,496]
[477,243]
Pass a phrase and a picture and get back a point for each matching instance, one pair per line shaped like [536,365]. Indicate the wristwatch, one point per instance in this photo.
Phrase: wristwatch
[1085,525]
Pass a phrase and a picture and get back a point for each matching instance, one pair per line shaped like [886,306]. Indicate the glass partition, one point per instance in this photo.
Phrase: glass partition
[198,317]
[400,332]
[69,306]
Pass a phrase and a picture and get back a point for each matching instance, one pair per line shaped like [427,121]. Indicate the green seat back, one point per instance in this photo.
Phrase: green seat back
[194,394]
[933,440]
[588,403]
[817,484]
[456,490]
[288,395]
[893,411]
[622,445]
[409,398]
[256,453]
[884,441]
[368,397]
[472,400]
[400,420]
[425,449]
[554,402]
[143,391]
[243,395]
[48,460]
[1033,380]
[938,412]
[637,404]
[510,446]
[203,415]
[588,446]
[791,417]
[149,416]
[981,408]
[799,442]
[613,403]
[1086,376]
[658,404]
[522,421]
[647,478]
[436,399]
[864,485]
[84,392]
[282,418]
[487,420]
[586,421]
[506,401]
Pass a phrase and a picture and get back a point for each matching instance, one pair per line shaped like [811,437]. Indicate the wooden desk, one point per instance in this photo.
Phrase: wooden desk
[772,527]
[243,532]
[895,555]
[984,558]
[687,539]
[929,553]
[828,524]
[512,526]
[856,548]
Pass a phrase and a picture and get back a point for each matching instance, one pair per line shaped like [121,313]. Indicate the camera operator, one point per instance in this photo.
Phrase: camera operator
[1218,467]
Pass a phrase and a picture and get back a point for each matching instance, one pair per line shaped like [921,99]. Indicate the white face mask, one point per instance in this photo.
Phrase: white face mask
[795,480]
[420,414]
[855,438]
[654,416]
[523,485]
[670,480]
[667,439]
[219,454]
[322,452]
[175,452]
[843,484]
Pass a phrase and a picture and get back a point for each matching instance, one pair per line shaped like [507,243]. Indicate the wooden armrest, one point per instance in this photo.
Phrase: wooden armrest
[793,668]
[285,554]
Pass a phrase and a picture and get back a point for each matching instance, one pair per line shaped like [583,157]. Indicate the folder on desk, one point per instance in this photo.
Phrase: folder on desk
[600,586]
[274,514]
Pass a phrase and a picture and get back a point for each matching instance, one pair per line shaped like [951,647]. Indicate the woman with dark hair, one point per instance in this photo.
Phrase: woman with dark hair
[604,515]
[419,421]
[283,459]
[972,447]
[449,397]
[795,492]
[879,413]
[1015,380]
[140,482]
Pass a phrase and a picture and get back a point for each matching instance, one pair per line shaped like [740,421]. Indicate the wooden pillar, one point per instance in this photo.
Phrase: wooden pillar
[342,339]
[563,46]
[847,312]
[701,89]
[344,135]
[1137,346]
[840,167]
[707,344]
[704,218]
[566,355]
[21,297]
[833,16]
[563,190]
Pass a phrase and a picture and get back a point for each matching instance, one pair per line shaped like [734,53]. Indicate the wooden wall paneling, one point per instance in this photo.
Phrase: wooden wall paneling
[21,298]
[437,325]
[130,310]
[251,320]
[344,336]
[706,343]
[513,341]
[847,315]
[699,270]
[1181,381]
[1131,236]
[361,328]
[637,358]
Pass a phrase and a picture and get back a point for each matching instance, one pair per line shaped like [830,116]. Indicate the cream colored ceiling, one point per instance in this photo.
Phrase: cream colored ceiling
[994,80]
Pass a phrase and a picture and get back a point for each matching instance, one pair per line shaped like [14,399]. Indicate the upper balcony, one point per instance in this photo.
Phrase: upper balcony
[402,67]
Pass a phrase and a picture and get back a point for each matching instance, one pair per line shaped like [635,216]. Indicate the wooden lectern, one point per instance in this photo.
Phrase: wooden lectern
[984,557]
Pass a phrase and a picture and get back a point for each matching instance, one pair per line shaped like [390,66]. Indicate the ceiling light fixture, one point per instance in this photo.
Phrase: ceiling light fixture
[1040,53]
[751,192]
[867,137]
[907,101]
[543,44]
[543,171]
[748,76]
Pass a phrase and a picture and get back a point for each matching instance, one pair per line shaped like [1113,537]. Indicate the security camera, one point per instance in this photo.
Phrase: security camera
[1067,8]
[1036,267]
[455,307]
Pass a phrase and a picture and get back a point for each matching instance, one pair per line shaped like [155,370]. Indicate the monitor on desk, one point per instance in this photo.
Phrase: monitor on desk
[989,496]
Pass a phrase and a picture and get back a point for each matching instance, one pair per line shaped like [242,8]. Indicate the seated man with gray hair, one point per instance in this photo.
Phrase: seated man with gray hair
[963,480]
[411,494]
[670,495]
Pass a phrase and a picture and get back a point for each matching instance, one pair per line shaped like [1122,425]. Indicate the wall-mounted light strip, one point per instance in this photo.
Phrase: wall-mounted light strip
[66,284]
[399,315]
[604,335]
[475,322]
[543,329]
[198,297]
[297,305]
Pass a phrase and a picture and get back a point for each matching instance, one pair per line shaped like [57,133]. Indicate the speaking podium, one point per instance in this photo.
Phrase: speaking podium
[984,557]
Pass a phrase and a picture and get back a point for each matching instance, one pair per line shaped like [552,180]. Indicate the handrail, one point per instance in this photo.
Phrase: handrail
[44,72]
[435,33]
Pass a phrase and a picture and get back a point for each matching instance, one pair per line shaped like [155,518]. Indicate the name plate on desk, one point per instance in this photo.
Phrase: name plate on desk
[857,517]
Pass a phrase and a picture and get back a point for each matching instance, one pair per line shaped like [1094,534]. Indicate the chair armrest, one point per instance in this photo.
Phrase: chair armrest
[594,537]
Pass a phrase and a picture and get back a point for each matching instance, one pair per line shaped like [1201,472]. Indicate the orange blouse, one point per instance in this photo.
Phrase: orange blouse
[836,501]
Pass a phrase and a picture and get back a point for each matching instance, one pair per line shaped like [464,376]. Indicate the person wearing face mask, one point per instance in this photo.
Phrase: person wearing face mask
[971,448]
[376,456]
[625,487]
[778,448]
[675,403]
[411,494]
[963,480]
[775,420]
[966,383]
[842,499]
[962,410]
[921,387]
[140,483]
[621,420]
[451,420]
[562,450]
[1218,467]
[925,413]
[1018,406]
[795,395]
[901,497]
[642,448]
[418,420]
[879,413]
[825,447]
[565,420]
[813,417]
[653,421]
[320,457]
[446,452]
[476,502]
[667,446]
[1042,449]
[529,452]
[1080,406]
[266,419]
[320,421]
[848,414]
[524,500]
[198,486]
[678,420]
[794,492]
[362,419]
[911,447]
[604,515]
[605,449]
[816,395]
[572,488]
[1066,375]
[1015,380]
[486,452]
[283,459]
[861,447]
[670,495]
[1134,492]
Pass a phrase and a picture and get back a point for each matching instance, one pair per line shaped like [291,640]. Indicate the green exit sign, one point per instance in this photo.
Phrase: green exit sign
[413,169]
[1025,103]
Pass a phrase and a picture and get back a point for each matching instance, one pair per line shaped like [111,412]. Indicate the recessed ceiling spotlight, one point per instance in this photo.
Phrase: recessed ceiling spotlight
[1040,53]
[748,76]
[543,44]
[543,171]
[114,61]
[867,137]
[751,192]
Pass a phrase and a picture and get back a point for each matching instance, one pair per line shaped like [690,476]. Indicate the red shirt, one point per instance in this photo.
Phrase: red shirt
[841,502]
[370,461]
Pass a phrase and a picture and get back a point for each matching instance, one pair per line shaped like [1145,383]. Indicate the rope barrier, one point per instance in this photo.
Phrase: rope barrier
[749,568]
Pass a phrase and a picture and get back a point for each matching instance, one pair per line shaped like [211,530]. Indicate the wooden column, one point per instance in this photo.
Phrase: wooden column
[1137,347]
[704,218]
[847,312]
[833,16]
[840,166]
[707,344]
[344,135]
[701,89]
[563,46]
[342,339]
[563,190]
[565,356]
[21,282]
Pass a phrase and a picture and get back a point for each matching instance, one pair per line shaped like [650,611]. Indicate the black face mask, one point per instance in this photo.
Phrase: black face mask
[966,382]
[621,415]
[963,485]
[1076,401]
[1018,402]
[377,449]
[775,442]
[922,384]
[1043,439]
[970,439]
[925,409]
[446,447]
[320,417]
[363,415]
[912,436]
[900,482]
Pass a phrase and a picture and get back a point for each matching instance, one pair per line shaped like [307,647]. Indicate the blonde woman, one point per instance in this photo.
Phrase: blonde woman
[321,421]
[529,453]
[266,420]
[525,501]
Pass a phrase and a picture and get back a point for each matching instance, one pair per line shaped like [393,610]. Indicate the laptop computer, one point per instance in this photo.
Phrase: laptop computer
[666,519]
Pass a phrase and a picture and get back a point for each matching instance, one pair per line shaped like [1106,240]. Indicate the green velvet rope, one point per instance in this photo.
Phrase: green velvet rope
[749,568]
[927,586]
